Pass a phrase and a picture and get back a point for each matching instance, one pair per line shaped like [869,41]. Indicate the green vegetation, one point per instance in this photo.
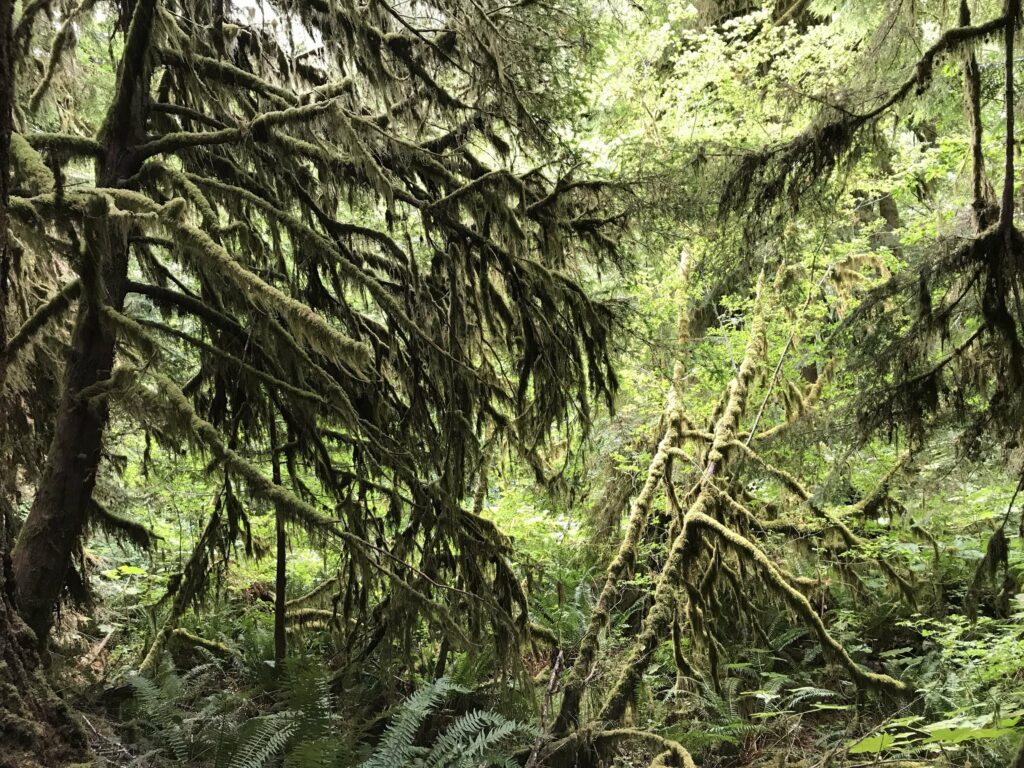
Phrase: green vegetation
[546,383]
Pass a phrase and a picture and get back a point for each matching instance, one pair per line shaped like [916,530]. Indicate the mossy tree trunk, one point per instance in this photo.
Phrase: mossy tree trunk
[43,551]
[6,103]
[35,726]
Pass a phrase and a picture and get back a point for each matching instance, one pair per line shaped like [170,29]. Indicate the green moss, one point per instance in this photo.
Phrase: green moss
[30,172]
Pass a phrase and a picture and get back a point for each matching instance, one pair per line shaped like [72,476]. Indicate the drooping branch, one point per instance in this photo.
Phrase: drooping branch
[354,262]
[175,142]
[304,321]
[168,399]
[797,601]
[221,322]
[62,41]
[227,74]
[58,304]
[267,378]
[765,177]
[121,527]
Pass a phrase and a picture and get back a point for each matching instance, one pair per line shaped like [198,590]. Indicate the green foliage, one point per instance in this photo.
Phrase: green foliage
[197,724]
[473,740]
[267,738]
[156,704]
[392,254]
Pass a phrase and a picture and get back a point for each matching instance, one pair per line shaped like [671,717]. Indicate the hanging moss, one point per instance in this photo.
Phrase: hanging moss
[120,527]
[996,556]
[350,237]
[791,170]
[30,172]
[306,323]
[310,618]
[39,319]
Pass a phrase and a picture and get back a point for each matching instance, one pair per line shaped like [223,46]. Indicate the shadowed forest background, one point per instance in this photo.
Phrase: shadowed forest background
[464,383]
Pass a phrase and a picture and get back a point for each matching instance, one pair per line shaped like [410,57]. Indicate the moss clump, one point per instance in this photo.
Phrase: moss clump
[30,172]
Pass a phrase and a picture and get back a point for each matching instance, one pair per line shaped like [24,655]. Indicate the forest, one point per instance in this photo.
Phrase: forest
[524,383]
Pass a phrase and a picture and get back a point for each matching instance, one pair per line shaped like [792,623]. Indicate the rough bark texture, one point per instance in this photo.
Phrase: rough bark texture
[51,531]
[6,102]
[36,728]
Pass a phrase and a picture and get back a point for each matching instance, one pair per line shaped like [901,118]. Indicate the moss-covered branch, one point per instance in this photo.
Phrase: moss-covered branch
[659,617]
[619,568]
[797,601]
[120,526]
[176,142]
[62,143]
[58,304]
[764,177]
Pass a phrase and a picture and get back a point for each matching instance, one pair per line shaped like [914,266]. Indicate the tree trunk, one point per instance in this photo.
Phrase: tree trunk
[35,726]
[16,684]
[6,126]
[54,524]
[51,531]
[281,576]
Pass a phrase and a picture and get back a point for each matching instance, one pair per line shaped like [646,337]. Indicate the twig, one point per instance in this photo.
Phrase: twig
[549,693]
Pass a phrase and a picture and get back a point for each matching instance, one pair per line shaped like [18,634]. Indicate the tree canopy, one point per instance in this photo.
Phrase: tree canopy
[540,383]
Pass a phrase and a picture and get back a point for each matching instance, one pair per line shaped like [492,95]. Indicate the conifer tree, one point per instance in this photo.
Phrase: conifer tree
[340,217]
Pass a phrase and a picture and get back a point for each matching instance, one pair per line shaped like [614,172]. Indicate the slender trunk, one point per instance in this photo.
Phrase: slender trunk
[54,524]
[1006,209]
[442,659]
[281,580]
[972,104]
[6,126]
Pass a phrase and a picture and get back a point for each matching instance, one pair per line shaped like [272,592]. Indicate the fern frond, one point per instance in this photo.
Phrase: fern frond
[397,746]
[477,738]
[157,705]
[268,740]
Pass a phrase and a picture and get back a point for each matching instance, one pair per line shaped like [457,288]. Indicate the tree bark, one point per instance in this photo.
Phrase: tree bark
[51,531]
[54,524]
[6,127]
[281,576]
[36,728]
